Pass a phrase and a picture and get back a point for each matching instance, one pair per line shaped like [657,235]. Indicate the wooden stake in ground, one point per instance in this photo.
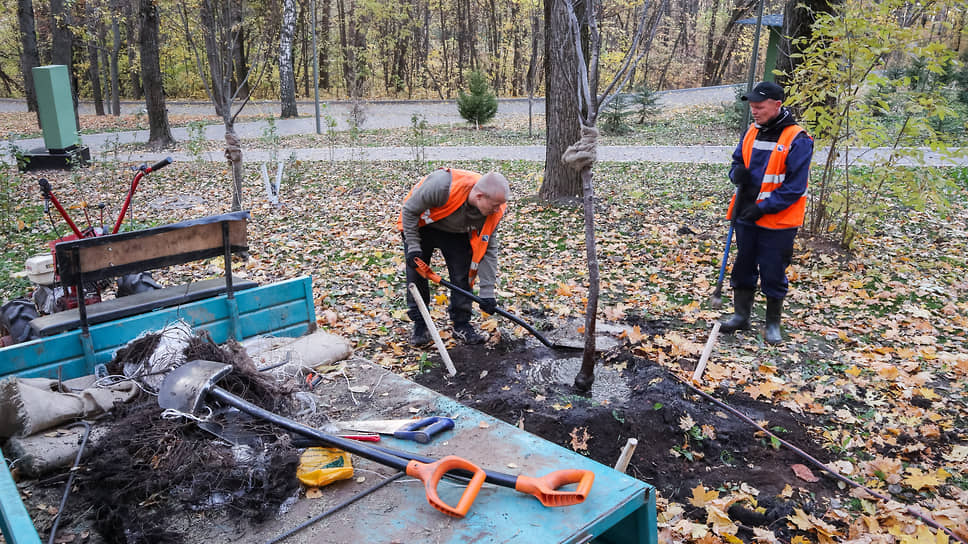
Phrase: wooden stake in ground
[433,330]
[705,352]
[626,456]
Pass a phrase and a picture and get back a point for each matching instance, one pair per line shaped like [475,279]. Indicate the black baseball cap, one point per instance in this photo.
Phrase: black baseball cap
[764,90]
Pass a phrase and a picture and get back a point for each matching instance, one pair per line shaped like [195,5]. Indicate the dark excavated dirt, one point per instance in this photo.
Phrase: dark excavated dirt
[641,400]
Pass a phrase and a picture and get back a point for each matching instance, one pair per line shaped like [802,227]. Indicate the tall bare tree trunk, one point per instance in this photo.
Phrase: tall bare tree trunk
[134,74]
[710,64]
[115,53]
[62,42]
[561,106]
[29,56]
[798,18]
[240,60]
[217,67]
[94,65]
[287,78]
[324,22]
[159,135]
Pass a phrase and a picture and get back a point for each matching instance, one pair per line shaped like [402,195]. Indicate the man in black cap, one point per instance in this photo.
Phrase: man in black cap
[771,166]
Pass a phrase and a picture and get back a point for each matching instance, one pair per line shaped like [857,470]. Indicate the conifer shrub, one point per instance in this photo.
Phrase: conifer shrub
[480,105]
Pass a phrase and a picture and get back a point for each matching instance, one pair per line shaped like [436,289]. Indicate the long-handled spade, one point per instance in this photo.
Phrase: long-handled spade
[186,388]
[424,270]
[716,299]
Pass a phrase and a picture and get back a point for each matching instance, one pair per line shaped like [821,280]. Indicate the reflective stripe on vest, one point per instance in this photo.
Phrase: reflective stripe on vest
[773,178]
[461,183]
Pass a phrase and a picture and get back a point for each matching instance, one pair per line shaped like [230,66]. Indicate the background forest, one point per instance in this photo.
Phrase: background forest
[391,48]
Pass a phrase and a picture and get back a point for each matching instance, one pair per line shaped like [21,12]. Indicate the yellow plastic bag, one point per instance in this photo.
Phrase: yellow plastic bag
[323,466]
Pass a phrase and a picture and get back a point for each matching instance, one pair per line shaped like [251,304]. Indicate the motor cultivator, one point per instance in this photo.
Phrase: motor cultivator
[49,295]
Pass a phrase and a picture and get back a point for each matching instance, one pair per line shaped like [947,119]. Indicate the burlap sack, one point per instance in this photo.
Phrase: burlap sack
[31,405]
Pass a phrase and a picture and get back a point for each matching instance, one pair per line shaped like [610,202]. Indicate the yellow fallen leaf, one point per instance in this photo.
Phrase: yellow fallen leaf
[720,522]
[928,393]
[918,480]
[701,496]
[440,299]
[888,372]
[765,389]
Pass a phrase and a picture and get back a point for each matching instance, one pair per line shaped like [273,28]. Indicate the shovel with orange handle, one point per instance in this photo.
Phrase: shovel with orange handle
[187,387]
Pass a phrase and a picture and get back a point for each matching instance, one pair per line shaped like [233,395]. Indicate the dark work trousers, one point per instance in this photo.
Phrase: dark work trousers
[762,254]
[456,249]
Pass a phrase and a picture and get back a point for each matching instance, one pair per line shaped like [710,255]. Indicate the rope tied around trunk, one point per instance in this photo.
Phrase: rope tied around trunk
[233,149]
[582,153]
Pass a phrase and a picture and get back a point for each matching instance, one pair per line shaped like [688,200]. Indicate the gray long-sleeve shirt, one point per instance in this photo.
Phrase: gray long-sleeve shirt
[434,193]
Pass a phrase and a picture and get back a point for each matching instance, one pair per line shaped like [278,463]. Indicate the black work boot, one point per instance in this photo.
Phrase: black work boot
[420,335]
[742,306]
[774,307]
[465,333]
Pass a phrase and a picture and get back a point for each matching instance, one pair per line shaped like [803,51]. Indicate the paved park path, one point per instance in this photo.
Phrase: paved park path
[383,114]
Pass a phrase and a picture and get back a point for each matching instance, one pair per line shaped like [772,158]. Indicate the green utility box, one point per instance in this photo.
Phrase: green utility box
[56,107]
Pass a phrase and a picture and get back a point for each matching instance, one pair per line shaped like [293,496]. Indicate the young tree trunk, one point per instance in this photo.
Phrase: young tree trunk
[233,154]
[115,53]
[29,56]
[159,135]
[561,106]
[287,78]
[586,376]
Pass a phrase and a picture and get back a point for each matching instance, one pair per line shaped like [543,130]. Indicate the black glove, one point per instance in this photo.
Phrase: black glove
[412,257]
[488,305]
[741,176]
[752,214]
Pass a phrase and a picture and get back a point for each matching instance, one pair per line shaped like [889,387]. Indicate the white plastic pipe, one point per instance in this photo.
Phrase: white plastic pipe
[433,330]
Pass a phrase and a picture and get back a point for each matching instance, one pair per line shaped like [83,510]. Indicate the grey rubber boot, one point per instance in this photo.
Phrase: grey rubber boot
[774,307]
[742,307]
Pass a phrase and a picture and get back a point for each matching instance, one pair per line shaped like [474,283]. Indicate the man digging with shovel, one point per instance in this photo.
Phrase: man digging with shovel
[457,212]
[770,169]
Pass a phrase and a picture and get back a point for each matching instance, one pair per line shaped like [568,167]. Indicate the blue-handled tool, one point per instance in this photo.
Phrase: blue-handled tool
[417,430]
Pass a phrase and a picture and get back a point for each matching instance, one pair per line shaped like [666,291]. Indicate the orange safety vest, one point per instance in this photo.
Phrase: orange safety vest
[773,178]
[461,183]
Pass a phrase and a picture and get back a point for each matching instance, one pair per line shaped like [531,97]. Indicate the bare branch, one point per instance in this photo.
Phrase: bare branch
[626,71]
[584,92]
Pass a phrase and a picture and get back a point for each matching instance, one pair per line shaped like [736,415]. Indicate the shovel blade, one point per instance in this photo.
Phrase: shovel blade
[185,387]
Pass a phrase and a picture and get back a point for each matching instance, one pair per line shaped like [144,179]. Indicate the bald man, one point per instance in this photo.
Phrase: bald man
[457,212]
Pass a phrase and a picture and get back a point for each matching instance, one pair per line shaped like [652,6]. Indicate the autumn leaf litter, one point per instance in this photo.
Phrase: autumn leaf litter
[874,368]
